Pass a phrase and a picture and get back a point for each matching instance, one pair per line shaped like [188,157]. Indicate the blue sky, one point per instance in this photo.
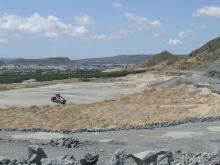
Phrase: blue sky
[96,28]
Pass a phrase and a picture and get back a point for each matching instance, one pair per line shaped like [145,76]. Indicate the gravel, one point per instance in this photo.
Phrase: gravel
[65,142]
[37,156]
[127,127]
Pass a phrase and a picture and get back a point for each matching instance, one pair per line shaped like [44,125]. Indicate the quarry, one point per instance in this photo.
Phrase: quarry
[156,109]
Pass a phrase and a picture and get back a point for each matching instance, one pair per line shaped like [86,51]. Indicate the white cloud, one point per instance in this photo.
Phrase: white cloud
[209,11]
[117,5]
[49,26]
[106,37]
[117,34]
[3,41]
[85,20]
[80,31]
[173,41]
[155,23]
[184,33]
[156,35]
[142,23]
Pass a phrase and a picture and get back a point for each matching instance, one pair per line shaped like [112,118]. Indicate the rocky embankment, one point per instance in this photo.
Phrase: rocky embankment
[127,127]
[37,156]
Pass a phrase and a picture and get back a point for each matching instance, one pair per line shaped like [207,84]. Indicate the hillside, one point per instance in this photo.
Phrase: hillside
[120,59]
[45,61]
[201,58]
[160,60]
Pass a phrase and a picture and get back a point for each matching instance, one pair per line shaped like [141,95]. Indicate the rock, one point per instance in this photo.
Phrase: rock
[89,159]
[65,142]
[60,142]
[120,157]
[64,160]
[18,162]
[160,158]
[4,160]
[206,158]
[35,154]
[49,161]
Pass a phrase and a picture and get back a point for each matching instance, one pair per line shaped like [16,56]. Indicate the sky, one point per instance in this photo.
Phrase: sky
[98,28]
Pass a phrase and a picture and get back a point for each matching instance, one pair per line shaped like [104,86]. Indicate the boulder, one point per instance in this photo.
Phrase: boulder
[18,162]
[64,160]
[4,160]
[50,161]
[65,142]
[89,159]
[35,154]
[160,158]
[120,157]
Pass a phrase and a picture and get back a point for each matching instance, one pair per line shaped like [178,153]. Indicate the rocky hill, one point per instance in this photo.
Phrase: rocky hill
[202,57]
[160,60]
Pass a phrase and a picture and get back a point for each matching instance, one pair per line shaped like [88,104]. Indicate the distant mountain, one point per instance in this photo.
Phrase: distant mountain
[1,62]
[120,59]
[201,58]
[159,60]
[6,60]
[45,61]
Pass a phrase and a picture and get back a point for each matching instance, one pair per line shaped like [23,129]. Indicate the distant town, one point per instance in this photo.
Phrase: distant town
[65,65]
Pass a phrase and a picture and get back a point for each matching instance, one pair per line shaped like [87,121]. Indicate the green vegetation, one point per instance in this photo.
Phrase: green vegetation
[8,78]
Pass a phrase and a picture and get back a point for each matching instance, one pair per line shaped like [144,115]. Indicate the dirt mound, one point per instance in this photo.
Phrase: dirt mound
[152,105]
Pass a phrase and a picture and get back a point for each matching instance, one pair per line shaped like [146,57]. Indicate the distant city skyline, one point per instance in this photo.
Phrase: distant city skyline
[95,28]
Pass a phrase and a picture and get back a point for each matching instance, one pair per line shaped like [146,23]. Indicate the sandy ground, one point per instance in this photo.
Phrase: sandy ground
[97,104]
[151,105]
[78,92]
[75,93]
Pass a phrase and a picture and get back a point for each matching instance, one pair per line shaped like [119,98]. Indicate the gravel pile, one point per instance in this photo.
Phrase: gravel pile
[65,142]
[206,158]
[37,156]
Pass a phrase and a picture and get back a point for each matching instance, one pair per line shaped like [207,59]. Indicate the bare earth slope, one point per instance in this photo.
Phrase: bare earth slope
[201,58]
[160,60]
[152,105]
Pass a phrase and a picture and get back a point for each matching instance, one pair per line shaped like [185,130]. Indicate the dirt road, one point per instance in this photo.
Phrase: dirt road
[79,92]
